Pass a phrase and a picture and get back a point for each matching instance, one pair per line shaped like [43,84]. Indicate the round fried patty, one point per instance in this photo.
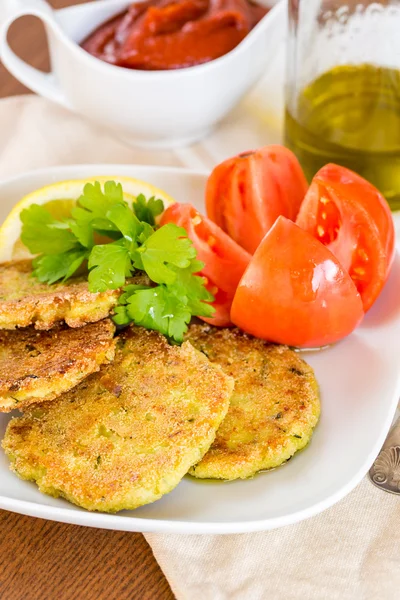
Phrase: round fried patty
[37,366]
[25,301]
[128,434]
[274,406]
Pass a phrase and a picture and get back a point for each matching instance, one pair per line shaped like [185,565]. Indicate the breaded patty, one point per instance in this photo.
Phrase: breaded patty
[37,366]
[25,301]
[128,434]
[274,406]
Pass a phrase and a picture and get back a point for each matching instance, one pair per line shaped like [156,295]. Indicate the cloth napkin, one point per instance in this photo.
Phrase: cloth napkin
[350,552]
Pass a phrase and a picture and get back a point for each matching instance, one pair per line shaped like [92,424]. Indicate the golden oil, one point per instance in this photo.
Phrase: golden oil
[351,116]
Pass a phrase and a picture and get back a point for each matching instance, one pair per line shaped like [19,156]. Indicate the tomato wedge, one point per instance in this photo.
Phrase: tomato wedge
[348,214]
[295,291]
[225,261]
[247,193]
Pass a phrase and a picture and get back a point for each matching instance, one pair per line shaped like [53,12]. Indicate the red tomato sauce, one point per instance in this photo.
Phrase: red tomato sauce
[165,34]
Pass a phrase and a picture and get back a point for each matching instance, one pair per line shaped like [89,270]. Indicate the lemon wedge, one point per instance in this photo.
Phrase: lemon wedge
[59,199]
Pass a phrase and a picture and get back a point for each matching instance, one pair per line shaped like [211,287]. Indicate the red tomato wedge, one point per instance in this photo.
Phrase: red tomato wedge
[348,214]
[225,261]
[296,292]
[247,193]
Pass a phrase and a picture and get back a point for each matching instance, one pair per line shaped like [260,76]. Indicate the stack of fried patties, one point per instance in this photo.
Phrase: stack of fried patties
[113,422]
[110,421]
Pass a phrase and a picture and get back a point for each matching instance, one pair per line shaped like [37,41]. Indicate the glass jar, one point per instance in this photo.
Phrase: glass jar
[343,88]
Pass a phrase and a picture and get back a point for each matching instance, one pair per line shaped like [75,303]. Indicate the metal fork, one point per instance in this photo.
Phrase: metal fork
[385,472]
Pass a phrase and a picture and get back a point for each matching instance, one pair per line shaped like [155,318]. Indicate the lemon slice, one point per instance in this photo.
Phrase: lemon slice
[59,199]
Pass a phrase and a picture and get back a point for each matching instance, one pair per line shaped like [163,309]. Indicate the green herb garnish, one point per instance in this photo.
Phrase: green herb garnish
[111,241]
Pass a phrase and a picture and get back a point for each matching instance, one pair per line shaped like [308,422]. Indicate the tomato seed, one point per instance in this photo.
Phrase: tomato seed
[362,254]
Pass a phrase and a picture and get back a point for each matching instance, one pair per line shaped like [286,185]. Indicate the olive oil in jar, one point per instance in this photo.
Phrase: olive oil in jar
[351,116]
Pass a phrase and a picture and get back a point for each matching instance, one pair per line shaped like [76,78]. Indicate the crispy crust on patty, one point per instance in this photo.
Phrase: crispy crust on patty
[128,434]
[38,366]
[274,407]
[25,301]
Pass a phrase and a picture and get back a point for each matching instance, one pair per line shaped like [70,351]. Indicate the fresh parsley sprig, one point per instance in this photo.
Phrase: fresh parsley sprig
[110,241]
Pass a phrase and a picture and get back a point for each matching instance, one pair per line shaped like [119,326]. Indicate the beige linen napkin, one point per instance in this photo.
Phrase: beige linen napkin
[350,552]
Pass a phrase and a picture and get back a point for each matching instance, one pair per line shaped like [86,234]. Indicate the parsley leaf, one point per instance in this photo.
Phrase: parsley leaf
[191,288]
[167,308]
[94,203]
[41,233]
[83,232]
[90,213]
[127,223]
[146,306]
[110,265]
[179,319]
[147,210]
[53,267]
[154,308]
[168,246]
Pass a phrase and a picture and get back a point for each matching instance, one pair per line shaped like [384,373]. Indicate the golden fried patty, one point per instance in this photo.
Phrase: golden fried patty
[128,434]
[25,301]
[37,366]
[274,406]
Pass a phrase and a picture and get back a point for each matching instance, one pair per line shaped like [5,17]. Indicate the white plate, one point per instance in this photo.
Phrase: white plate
[360,386]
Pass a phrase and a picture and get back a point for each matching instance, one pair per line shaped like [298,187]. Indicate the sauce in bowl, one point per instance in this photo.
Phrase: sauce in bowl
[173,34]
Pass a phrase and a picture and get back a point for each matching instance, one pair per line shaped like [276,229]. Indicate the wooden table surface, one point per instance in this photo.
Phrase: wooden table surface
[42,560]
